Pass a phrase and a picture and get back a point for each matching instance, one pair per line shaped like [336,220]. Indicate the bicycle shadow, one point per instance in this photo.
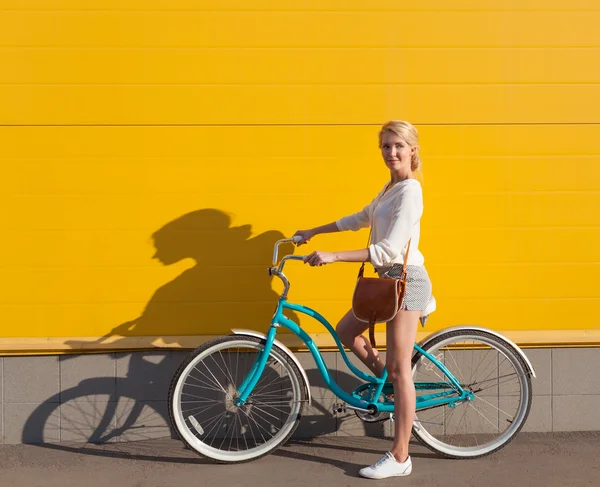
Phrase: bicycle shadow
[136,440]
[122,396]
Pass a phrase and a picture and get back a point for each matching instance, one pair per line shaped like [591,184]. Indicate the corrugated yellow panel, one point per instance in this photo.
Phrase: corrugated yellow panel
[273,210]
[163,321]
[303,142]
[135,249]
[96,176]
[511,140]
[527,281]
[210,283]
[188,305]
[514,173]
[373,5]
[518,314]
[502,315]
[506,245]
[516,209]
[297,66]
[299,104]
[69,28]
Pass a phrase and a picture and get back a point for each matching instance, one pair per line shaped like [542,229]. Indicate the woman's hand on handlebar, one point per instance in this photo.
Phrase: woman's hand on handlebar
[305,235]
[319,258]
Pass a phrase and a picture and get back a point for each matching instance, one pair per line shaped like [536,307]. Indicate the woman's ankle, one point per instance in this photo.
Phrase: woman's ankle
[400,457]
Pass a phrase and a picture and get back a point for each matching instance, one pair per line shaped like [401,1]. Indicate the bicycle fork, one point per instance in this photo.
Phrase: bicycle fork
[253,376]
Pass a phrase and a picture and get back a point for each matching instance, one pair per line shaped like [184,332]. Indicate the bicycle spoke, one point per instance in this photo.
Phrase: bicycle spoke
[220,370]
[491,405]
[266,412]
[250,428]
[272,407]
[491,373]
[460,375]
[280,403]
[276,395]
[225,436]
[204,387]
[273,382]
[214,382]
[219,385]
[482,415]
[211,421]
[203,409]
[228,372]
[241,432]
[251,418]
[198,401]
[500,382]
[232,431]
[217,425]
[237,357]
[259,425]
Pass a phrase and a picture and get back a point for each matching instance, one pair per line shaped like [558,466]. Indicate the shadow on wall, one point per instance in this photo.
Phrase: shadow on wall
[227,287]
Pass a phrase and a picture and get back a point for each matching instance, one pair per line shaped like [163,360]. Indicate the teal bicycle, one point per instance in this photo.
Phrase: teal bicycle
[241,396]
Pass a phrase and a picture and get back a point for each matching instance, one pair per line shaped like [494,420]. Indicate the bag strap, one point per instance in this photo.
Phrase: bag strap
[362,270]
[402,278]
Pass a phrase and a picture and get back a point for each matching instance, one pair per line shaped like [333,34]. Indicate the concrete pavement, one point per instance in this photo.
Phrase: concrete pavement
[532,459]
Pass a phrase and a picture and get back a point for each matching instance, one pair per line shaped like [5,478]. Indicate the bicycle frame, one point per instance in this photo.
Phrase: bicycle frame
[452,393]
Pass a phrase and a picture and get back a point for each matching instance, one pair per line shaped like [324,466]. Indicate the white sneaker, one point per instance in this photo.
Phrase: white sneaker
[387,466]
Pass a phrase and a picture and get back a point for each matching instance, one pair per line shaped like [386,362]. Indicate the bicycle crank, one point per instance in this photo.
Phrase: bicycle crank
[342,407]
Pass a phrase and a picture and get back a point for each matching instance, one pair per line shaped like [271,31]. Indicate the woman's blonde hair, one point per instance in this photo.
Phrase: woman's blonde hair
[409,134]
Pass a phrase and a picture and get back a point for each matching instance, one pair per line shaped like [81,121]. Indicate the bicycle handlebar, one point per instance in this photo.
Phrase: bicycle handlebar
[278,271]
[295,239]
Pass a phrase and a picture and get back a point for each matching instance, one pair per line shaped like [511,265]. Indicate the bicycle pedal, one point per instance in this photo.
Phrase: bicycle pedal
[339,408]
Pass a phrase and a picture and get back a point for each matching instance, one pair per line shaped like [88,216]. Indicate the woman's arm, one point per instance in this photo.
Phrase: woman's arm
[308,234]
[354,222]
[329,228]
[319,257]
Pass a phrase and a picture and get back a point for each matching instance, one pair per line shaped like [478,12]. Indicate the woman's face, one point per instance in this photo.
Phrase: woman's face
[396,153]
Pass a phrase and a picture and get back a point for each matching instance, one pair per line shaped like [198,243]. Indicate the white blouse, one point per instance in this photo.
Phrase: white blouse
[395,218]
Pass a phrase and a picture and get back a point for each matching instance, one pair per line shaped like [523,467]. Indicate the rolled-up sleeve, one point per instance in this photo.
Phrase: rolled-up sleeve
[405,217]
[356,221]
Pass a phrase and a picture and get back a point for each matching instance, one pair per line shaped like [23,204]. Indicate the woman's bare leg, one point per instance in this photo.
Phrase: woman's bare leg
[401,333]
[350,331]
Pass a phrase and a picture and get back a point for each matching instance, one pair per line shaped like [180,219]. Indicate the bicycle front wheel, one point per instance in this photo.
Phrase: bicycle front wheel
[203,391]
[498,377]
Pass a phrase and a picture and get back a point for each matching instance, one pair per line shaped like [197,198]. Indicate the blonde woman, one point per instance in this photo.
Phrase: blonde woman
[394,217]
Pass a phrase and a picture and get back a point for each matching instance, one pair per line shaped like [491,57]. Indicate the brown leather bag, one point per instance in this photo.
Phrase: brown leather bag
[378,299]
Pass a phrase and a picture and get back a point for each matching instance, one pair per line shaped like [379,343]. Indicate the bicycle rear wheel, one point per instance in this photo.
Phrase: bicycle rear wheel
[202,394]
[499,378]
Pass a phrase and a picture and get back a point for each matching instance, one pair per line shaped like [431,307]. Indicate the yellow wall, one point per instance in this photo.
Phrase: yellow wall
[203,131]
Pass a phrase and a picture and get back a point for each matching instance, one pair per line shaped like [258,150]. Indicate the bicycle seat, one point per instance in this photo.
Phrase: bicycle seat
[429,308]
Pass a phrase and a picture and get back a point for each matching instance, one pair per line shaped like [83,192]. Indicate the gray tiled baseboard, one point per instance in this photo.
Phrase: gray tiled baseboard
[123,396]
